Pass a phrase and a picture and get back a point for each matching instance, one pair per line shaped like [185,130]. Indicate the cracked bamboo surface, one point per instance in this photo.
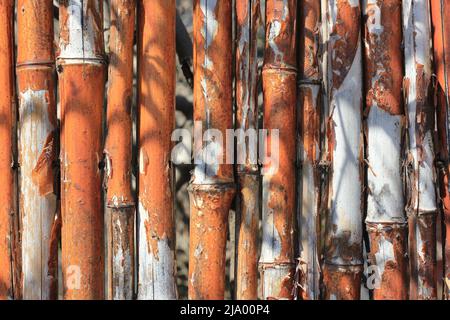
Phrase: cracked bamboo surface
[421,192]
[156,94]
[279,78]
[81,82]
[211,190]
[343,260]
[440,13]
[118,150]
[309,116]
[385,129]
[7,159]
[37,147]
[248,193]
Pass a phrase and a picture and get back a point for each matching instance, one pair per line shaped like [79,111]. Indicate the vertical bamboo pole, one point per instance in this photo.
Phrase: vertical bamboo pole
[343,244]
[440,12]
[212,185]
[156,93]
[37,145]
[247,20]
[385,220]
[6,149]
[278,202]
[421,204]
[309,131]
[82,76]
[119,199]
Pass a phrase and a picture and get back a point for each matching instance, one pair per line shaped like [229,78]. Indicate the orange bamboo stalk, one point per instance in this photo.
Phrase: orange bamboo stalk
[248,20]
[156,94]
[82,77]
[440,13]
[421,205]
[278,202]
[118,150]
[309,148]
[386,221]
[343,252]
[37,146]
[7,158]
[212,185]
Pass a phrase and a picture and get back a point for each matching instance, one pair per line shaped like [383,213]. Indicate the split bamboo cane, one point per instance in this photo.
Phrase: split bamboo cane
[385,221]
[212,188]
[81,68]
[118,150]
[309,130]
[248,20]
[37,146]
[156,94]
[278,201]
[440,12]
[7,156]
[421,195]
[343,263]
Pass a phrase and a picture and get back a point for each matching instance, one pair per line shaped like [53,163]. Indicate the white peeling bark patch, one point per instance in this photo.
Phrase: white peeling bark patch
[345,193]
[274,32]
[271,240]
[374,25]
[81,40]
[273,279]
[385,201]
[156,274]
[37,211]
[384,254]
[417,34]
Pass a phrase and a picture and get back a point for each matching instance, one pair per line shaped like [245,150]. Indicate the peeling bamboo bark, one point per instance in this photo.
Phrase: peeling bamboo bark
[278,201]
[156,92]
[309,131]
[212,185]
[440,13]
[343,263]
[37,145]
[7,111]
[421,204]
[118,149]
[82,77]
[248,20]
[385,221]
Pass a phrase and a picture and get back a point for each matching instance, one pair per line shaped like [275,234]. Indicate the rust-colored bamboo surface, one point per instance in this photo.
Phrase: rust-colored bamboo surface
[7,115]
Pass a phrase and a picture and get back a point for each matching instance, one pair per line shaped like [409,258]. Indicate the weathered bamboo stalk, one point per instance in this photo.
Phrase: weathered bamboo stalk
[156,94]
[118,150]
[278,202]
[440,13]
[421,195]
[385,221]
[81,71]
[37,145]
[212,185]
[343,263]
[7,159]
[309,148]
[247,226]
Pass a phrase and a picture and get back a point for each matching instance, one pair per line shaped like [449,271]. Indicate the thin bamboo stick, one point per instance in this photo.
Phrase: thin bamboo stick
[37,146]
[156,94]
[309,130]
[386,223]
[248,21]
[7,157]
[421,204]
[343,263]
[118,149]
[212,185]
[278,202]
[440,13]
[82,77]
